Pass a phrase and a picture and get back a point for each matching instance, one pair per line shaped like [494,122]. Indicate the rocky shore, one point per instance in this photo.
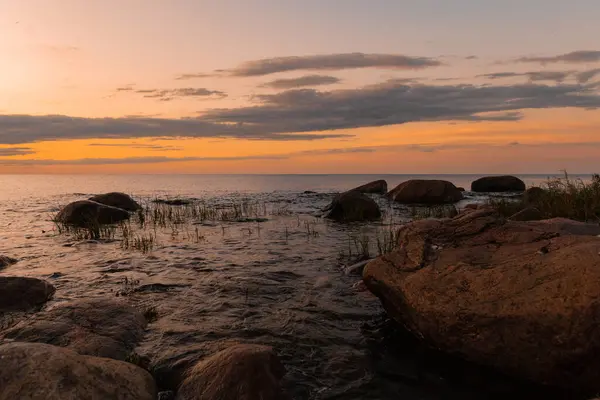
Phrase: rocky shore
[518,294]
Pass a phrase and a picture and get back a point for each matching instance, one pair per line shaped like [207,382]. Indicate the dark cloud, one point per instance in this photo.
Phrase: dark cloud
[330,62]
[170,94]
[152,147]
[124,88]
[15,151]
[130,160]
[302,81]
[306,110]
[586,76]
[184,77]
[16,129]
[471,58]
[574,57]
[535,76]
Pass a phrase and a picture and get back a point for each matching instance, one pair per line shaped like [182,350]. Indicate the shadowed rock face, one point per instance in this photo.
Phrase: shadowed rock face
[98,327]
[241,372]
[421,191]
[116,199]
[42,372]
[86,213]
[375,187]
[505,183]
[353,206]
[5,261]
[21,294]
[523,297]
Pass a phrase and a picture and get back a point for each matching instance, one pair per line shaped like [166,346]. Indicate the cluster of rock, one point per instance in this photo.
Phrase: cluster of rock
[84,349]
[102,209]
[521,297]
[355,205]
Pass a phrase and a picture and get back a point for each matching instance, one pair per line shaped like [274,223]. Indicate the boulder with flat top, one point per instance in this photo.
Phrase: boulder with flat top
[494,184]
[425,191]
[375,187]
[522,297]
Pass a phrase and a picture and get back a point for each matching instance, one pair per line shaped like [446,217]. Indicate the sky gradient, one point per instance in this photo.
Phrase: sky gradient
[329,86]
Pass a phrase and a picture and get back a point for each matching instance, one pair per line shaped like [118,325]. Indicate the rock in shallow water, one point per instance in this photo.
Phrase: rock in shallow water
[36,371]
[89,214]
[118,200]
[97,327]
[353,206]
[241,372]
[21,294]
[496,184]
[422,191]
[480,287]
[376,187]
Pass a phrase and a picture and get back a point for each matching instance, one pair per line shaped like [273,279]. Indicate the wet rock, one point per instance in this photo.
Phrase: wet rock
[353,206]
[309,192]
[377,187]
[533,195]
[89,214]
[97,327]
[527,214]
[242,372]
[5,261]
[504,183]
[421,191]
[21,294]
[480,287]
[118,200]
[461,189]
[173,202]
[42,372]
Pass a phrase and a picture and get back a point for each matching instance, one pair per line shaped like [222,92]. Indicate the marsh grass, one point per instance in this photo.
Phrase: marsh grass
[561,197]
[435,211]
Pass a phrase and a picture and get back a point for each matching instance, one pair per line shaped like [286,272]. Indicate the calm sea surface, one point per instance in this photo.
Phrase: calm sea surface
[278,280]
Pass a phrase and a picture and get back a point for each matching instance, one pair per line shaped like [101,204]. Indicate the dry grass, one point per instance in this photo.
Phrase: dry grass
[561,197]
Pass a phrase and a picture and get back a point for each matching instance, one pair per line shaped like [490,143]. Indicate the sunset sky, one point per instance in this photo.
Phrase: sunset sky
[299,86]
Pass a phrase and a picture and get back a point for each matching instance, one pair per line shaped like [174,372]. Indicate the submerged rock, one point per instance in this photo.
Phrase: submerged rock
[5,261]
[504,183]
[42,372]
[118,200]
[173,202]
[241,372]
[522,297]
[353,206]
[377,187]
[97,327]
[88,214]
[21,294]
[421,191]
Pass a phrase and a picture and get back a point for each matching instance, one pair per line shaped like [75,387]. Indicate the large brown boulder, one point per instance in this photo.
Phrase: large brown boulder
[353,206]
[86,214]
[34,371]
[241,372]
[21,294]
[422,191]
[116,199]
[505,183]
[376,187]
[523,297]
[97,327]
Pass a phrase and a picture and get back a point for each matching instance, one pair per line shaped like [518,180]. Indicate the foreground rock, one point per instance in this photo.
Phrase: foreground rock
[375,187]
[21,294]
[522,297]
[353,206]
[118,200]
[504,183]
[37,371]
[241,372]
[97,327]
[5,261]
[86,213]
[420,191]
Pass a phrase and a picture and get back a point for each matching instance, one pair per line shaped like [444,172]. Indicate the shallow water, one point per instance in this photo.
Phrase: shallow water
[277,282]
